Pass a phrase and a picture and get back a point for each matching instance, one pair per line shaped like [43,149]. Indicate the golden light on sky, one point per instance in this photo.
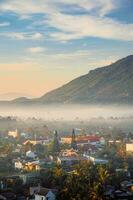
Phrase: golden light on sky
[44,44]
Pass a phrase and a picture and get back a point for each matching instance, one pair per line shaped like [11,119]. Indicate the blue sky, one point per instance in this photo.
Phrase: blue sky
[46,43]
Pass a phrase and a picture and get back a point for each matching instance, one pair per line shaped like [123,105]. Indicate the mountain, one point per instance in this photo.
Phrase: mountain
[109,84]
[13,95]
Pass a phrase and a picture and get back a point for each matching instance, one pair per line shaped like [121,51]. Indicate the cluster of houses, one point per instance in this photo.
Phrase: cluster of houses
[78,148]
[87,144]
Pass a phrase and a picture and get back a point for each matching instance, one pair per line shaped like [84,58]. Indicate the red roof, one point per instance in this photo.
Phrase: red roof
[91,138]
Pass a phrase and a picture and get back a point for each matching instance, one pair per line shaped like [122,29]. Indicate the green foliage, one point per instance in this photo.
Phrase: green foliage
[53,177]
[86,183]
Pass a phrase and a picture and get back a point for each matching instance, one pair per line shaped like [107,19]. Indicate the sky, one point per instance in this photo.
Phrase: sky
[46,43]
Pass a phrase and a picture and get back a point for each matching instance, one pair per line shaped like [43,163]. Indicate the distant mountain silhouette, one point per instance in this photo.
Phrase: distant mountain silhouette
[13,95]
[109,84]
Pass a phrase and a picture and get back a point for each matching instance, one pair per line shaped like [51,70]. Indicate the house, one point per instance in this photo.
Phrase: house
[96,161]
[41,140]
[32,166]
[84,139]
[18,165]
[66,140]
[89,139]
[129,147]
[41,193]
[69,157]
[69,153]
[13,134]
[45,194]
[30,154]
[27,165]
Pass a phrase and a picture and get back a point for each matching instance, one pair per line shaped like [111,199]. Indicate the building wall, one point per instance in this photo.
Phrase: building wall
[66,140]
[39,197]
[50,196]
[13,134]
[129,147]
[18,165]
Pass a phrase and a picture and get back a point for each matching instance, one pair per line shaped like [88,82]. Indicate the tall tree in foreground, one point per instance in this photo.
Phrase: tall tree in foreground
[87,182]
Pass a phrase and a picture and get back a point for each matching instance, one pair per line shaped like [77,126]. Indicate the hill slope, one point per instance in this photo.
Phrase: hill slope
[109,84]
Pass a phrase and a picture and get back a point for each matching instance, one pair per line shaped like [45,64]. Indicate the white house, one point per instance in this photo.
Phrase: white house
[41,193]
[30,154]
[48,196]
[96,160]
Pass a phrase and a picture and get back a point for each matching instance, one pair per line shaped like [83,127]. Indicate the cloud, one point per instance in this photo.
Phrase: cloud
[3,24]
[76,27]
[45,6]
[36,50]
[25,7]
[24,36]
[94,22]
[99,7]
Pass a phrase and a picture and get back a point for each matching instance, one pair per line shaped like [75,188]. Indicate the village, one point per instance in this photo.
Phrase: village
[28,160]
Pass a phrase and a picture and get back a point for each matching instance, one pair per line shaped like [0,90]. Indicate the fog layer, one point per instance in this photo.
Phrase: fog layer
[65,112]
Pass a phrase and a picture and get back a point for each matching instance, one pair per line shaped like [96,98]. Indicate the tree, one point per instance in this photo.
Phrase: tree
[87,182]
[56,145]
[39,148]
[54,177]
[73,142]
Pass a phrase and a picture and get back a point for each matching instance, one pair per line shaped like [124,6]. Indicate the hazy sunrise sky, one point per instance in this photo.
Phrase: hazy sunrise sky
[46,43]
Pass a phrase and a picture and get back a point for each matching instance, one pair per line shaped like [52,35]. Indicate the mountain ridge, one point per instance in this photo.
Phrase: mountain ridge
[99,85]
[108,84]
[13,95]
